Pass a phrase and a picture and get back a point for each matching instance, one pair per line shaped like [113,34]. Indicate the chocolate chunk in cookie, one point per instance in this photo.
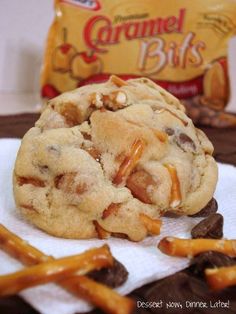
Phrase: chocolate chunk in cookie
[210,227]
[113,277]
[185,142]
[210,208]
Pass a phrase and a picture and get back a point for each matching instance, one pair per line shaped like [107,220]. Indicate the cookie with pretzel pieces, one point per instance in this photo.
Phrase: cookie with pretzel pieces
[110,159]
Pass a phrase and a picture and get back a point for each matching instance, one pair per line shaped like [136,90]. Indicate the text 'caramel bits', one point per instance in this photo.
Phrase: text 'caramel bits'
[130,162]
[101,232]
[176,197]
[221,278]
[153,226]
[81,286]
[118,81]
[192,247]
[112,209]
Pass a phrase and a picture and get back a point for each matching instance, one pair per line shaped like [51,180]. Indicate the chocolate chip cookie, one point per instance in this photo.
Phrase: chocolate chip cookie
[106,159]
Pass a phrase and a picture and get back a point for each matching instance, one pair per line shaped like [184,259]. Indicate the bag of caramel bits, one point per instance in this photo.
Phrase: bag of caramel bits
[181,45]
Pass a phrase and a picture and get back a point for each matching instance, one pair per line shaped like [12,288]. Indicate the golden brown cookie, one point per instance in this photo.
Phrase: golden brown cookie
[103,154]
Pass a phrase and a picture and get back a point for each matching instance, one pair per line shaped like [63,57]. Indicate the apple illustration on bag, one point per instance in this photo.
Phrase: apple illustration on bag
[63,54]
[49,91]
[85,64]
[216,83]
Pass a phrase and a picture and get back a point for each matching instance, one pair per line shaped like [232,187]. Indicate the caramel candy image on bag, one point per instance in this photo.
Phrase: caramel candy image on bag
[182,46]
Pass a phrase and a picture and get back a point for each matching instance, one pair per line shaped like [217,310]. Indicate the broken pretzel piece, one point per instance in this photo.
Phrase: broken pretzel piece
[153,226]
[191,247]
[112,209]
[130,162]
[80,286]
[176,197]
[118,81]
[102,233]
[52,271]
[222,277]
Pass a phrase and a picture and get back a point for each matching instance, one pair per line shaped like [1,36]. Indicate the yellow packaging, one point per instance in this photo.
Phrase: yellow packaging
[181,45]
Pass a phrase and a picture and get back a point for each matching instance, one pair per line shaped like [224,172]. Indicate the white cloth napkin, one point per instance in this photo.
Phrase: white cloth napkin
[143,260]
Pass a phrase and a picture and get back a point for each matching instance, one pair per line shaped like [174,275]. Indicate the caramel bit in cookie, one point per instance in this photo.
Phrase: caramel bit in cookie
[184,141]
[86,136]
[176,197]
[81,188]
[29,207]
[102,233]
[66,183]
[139,183]
[102,109]
[118,81]
[112,209]
[162,136]
[130,161]
[30,180]
[71,114]
[153,226]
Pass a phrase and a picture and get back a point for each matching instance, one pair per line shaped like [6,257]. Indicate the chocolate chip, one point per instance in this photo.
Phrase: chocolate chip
[210,208]
[113,277]
[209,259]
[185,142]
[210,227]
[169,131]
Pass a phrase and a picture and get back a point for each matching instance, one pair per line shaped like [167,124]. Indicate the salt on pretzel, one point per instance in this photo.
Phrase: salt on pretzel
[176,197]
[191,247]
[130,162]
[220,278]
[81,286]
[52,271]
[153,226]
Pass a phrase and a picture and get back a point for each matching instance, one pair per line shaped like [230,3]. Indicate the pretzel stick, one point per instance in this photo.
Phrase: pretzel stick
[101,232]
[191,247]
[129,162]
[222,277]
[153,226]
[176,197]
[52,271]
[185,123]
[118,81]
[81,286]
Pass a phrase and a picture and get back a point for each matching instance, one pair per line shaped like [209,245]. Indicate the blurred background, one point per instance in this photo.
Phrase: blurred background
[23,29]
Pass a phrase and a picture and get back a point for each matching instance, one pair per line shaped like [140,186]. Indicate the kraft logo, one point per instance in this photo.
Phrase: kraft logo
[93,5]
